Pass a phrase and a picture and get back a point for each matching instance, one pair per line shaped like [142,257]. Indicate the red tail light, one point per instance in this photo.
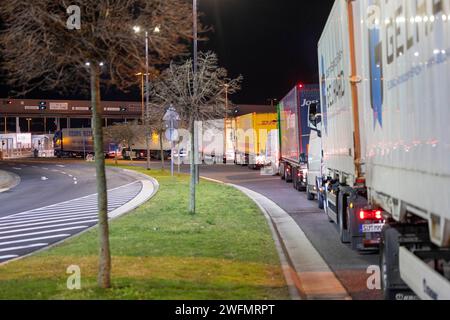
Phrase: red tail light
[371,215]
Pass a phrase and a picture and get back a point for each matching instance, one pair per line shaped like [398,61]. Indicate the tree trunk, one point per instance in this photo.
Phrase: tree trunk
[104,272]
[197,160]
[161,146]
[192,168]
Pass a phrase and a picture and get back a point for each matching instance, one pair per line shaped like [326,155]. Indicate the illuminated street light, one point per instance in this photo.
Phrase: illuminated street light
[137,29]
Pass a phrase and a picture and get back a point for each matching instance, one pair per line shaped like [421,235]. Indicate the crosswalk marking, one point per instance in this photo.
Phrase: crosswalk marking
[11,256]
[56,236]
[51,213]
[47,218]
[42,232]
[82,217]
[34,245]
[48,226]
[25,232]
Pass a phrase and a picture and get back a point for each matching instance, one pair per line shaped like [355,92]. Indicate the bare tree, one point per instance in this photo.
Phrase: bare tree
[197,96]
[44,48]
[124,134]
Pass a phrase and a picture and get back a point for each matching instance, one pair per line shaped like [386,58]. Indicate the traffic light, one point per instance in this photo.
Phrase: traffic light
[42,105]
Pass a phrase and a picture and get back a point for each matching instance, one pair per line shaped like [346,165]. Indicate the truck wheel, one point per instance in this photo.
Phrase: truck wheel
[320,200]
[389,264]
[391,282]
[294,178]
[344,233]
[351,224]
[309,195]
[281,171]
[288,179]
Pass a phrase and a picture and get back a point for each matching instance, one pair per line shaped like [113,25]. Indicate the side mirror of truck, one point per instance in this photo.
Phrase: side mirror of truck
[313,113]
[314,117]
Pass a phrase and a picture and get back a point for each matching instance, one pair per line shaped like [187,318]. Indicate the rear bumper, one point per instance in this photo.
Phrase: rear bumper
[361,243]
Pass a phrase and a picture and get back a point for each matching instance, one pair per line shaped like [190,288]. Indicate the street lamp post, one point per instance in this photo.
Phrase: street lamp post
[141,75]
[137,29]
[147,101]
[195,67]
[225,131]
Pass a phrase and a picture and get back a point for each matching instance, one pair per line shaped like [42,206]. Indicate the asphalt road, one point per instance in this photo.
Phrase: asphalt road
[45,183]
[54,201]
[34,192]
[349,266]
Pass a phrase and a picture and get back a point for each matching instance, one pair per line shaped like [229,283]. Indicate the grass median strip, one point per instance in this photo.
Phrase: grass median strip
[160,251]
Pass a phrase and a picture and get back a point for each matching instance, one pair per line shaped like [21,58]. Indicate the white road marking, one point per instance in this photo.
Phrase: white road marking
[34,239]
[34,245]
[48,226]
[48,219]
[11,256]
[60,165]
[15,168]
[42,232]
[44,178]
[85,216]
[40,227]
[52,213]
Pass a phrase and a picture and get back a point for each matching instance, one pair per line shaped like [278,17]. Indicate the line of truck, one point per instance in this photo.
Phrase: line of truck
[371,141]
[378,156]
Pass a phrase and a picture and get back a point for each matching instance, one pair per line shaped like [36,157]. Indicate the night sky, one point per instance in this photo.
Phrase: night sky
[272,43]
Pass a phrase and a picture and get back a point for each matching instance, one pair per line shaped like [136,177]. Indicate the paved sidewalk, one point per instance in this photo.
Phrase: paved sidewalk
[8,180]
[307,270]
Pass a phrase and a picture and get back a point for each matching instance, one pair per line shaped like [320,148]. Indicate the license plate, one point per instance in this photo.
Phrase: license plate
[372,228]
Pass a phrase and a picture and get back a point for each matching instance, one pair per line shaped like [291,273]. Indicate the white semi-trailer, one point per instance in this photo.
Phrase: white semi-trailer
[385,96]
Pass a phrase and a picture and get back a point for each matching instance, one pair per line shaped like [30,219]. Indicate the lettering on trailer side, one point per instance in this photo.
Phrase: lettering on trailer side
[408,24]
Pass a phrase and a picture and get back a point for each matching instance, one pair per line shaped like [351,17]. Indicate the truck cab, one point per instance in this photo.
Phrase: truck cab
[314,172]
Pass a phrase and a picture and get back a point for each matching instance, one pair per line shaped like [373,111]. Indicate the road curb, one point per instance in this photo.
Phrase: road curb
[140,199]
[8,180]
[310,274]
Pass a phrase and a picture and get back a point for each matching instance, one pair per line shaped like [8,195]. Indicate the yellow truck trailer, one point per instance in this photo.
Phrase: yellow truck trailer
[251,137]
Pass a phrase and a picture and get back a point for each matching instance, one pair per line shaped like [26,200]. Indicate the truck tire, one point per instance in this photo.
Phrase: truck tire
[288,179]
[320,200]
[391,282]
[320,197]
[281,171]
[344,233]
[310,196]
[294,178]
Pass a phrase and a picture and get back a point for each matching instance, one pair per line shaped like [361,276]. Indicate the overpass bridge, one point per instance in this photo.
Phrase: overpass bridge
[48,116]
